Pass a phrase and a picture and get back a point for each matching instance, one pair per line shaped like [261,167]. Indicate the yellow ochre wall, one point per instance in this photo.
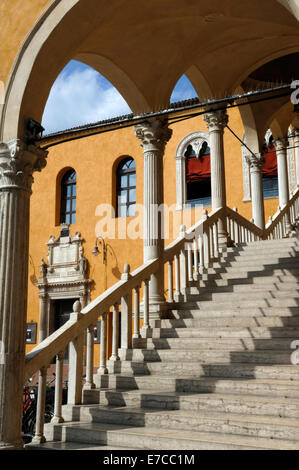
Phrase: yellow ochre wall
[95,159]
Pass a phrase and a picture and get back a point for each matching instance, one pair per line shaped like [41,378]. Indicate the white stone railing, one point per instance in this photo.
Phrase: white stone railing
[285,219]
[187,259]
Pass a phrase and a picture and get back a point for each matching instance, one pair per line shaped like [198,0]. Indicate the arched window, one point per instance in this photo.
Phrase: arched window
[68,198]
[269,171]
[193,171]
[126,188]
[198,174]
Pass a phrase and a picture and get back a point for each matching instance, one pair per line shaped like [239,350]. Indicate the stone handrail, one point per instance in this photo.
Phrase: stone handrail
[281,224]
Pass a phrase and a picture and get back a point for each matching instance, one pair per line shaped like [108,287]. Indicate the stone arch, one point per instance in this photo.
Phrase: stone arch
[195,139]
[42,55]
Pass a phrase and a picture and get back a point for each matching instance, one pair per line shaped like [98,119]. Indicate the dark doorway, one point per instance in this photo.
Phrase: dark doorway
[62,310]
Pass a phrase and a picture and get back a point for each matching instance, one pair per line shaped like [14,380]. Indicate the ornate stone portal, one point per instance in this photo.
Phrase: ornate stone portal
[64,276]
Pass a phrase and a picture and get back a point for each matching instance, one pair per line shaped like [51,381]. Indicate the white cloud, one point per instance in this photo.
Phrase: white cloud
[80,95]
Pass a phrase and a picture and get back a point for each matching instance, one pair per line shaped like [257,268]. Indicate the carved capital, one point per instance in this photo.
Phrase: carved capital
[18,162]
[154,134]
[216,120]
[281,144]
[256,161]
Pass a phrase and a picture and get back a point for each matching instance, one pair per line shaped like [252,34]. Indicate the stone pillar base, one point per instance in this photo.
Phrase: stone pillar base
[38,440]
[57,420]
[16,446]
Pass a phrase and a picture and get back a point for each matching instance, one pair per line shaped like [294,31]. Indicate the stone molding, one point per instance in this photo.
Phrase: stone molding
[18,162]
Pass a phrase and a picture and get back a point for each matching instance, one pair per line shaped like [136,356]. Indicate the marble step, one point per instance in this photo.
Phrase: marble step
[223,402]
[192,384]
[181,369]
[239,303]
[207,356]
[185,320]
[160,439]
[206,344]
[287,296]
[207,309]
[242,288]
[200,421]
[227,332]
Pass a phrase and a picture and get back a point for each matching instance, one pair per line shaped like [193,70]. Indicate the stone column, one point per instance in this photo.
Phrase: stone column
[216,122]
[43,316]
[17,164]
[154,135]
[282,170]
[296,145]
[256,162]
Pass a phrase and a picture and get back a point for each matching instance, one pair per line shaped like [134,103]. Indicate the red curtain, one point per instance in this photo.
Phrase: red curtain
[198,169]
[270,167]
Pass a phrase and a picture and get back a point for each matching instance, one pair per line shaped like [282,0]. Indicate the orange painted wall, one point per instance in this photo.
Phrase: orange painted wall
[95,160]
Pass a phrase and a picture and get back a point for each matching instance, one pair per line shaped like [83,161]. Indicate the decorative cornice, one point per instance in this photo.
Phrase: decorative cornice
[18,162]
[154,134]
[216,120]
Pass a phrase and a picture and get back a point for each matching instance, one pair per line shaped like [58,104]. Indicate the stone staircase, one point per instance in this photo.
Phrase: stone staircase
[214,373]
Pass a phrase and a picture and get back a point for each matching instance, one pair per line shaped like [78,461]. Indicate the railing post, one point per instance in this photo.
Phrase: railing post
[126,314]
[57,418]
[170,281]
[146,325]
[136,312]
[177,295]
[195,257]
[39,437]
[75,362]
[103,346]
[89,383]
[215,236]
[190,265]
[115,333]
[183,263]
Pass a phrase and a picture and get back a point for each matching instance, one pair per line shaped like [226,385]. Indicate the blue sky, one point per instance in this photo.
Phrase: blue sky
[80,95]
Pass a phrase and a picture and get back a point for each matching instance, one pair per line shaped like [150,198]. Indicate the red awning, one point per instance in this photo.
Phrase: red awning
[198,169]
[270,167]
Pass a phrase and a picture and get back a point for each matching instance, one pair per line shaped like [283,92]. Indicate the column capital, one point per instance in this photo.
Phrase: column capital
[154,134]
[255,161]
[216,120]
[18,162]
[281,143]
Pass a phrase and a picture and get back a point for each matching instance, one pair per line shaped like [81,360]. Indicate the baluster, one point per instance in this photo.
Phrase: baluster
[215,237]
[39,437]
[103,346]
[177,294]
[57,418]
[206,249]
[136,312]
[242,234]
[76,346]
[195,258]
[115,333]
[146,325]
[89,384]
[201,254]
[232,235]
[236,228]
[190,266]
[183,264]
[211,242]
[126,313]
[170,281]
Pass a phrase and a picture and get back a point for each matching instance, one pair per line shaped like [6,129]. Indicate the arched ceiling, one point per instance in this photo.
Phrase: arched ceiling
[144,47]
